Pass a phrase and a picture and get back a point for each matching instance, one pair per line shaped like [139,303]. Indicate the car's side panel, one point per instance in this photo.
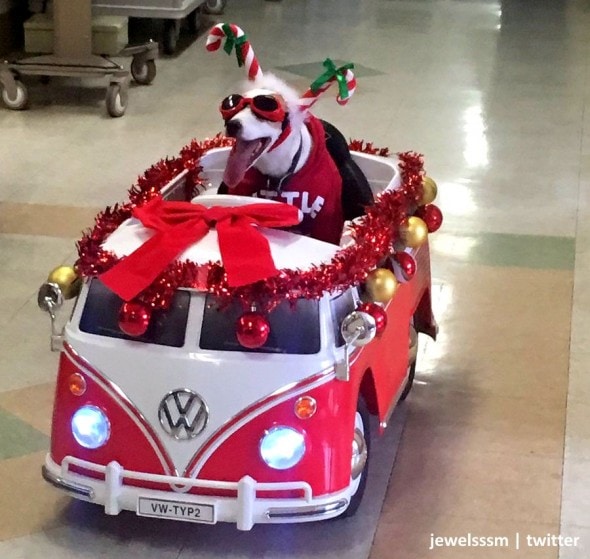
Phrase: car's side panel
[386,357]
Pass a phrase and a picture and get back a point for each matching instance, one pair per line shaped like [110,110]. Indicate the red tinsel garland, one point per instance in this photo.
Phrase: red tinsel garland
[375,237]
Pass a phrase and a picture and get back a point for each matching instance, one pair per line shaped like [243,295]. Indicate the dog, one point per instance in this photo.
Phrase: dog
[283,152]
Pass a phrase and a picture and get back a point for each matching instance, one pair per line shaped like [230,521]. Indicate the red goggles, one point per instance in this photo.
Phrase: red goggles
[267,107]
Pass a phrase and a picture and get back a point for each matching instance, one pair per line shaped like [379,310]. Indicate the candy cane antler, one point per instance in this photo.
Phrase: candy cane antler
[346,84]
[235,38]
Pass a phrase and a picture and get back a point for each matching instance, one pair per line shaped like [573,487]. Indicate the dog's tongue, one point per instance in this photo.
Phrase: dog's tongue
[241,158]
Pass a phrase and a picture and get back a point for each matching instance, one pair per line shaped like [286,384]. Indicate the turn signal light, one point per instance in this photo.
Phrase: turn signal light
[305,407]
[77,384]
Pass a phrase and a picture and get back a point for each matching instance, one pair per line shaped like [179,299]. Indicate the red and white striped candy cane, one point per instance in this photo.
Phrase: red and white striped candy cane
[220,32]
[309,98]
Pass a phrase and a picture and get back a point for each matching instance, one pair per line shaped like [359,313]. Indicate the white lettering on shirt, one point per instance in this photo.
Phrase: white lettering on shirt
[317,205]
[269,194]
[290,197]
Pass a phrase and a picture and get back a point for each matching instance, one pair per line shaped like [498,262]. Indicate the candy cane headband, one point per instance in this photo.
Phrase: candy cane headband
[343,76]
[235,38]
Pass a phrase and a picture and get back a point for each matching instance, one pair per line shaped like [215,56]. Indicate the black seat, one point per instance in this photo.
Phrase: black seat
[356,192]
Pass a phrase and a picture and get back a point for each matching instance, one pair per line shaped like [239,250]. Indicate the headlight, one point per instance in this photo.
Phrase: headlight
[282,447]
[90,427]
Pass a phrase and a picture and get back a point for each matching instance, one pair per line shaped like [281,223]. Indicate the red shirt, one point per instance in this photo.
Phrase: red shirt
[315,189]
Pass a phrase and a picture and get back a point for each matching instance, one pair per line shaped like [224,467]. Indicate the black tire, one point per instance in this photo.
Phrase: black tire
[362,413]
[171,35]
[409,382]
[21,99]
[116,100]
[215,7]
[411,364]
[143,72]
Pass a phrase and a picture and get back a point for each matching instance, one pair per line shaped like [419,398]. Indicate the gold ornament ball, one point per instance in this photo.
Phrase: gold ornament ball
[67,280]
[413,232]
[430,190]
[381,285]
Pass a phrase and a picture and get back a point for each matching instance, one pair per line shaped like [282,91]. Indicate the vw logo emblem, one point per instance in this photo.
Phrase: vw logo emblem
[183,414]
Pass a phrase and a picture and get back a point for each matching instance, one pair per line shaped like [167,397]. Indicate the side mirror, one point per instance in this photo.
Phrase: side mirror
[358,329]
[50,299]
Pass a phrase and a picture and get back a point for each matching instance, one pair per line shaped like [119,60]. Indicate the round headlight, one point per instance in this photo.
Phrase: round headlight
[282,447]
[90,427]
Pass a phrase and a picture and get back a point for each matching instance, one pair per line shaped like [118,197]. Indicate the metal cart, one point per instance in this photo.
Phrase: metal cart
[215,6]
[72,57]
[171,11]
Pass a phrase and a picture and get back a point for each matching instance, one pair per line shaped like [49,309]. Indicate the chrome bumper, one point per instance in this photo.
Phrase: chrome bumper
[78,490]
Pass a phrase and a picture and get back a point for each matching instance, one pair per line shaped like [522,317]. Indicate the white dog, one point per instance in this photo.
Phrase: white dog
[283,152]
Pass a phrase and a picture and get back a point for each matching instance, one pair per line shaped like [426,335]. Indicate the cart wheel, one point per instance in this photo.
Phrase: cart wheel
[193,21]
[411,365]
[171,35]
[143,71]
[215,7]
[361,445]
[21,98]
[116,100]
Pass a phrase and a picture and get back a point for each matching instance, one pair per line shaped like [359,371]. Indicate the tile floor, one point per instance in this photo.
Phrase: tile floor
[495,439]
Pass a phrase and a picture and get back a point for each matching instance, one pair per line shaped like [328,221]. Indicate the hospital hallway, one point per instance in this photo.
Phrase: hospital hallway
[489,456]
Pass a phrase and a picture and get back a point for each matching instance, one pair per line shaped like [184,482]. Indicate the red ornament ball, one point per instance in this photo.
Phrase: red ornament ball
[406,263]
[134,318]
[377,312]
[252,330]
[431,215]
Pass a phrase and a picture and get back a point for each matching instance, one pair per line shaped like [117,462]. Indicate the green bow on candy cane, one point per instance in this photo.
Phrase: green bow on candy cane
[233,41]
[331,73]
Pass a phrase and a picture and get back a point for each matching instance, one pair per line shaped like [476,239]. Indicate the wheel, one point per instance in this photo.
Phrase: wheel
[143,71]
[116,100]
[361,446]
[411,364]
[215,7]
[193,21]
[20,99]
[409,382]
[171,34]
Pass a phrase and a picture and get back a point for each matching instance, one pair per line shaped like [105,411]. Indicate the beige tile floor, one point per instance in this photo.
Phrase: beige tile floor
[496,436]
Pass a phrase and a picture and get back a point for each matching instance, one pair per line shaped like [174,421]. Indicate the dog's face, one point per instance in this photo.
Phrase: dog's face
[256,119]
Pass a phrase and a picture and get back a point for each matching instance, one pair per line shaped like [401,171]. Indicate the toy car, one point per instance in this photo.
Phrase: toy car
[186,421]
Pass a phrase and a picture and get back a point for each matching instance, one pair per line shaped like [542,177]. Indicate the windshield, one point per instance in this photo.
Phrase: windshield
[101,311]
[294,328]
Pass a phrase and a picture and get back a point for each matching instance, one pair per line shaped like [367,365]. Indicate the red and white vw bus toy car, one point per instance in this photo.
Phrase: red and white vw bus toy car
[185,422]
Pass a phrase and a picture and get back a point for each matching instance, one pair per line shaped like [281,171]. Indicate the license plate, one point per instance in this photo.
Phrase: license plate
[178,510]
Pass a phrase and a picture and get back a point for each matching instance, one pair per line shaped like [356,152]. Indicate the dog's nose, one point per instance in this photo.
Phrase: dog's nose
[233,128]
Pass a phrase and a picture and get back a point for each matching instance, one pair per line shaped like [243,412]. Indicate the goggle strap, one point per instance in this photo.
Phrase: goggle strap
[284,134]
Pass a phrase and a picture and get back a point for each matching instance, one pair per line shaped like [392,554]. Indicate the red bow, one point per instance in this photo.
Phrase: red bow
[245,251]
